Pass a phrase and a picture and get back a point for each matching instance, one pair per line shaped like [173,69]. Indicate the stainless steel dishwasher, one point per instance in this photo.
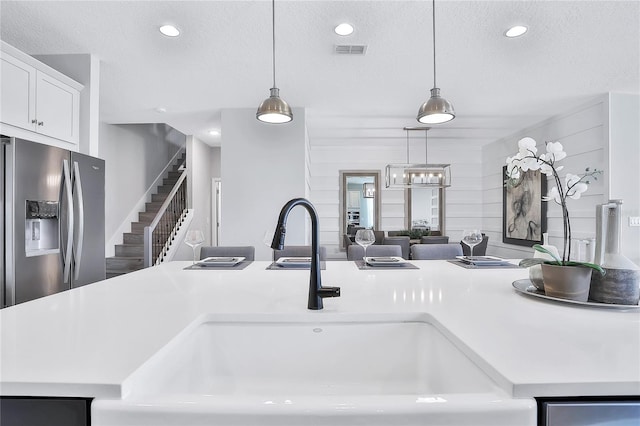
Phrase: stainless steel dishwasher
[590,412]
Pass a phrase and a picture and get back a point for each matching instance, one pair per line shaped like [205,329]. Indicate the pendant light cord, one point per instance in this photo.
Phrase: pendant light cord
[426,145]
[407,146]
[433,10]
[273,33]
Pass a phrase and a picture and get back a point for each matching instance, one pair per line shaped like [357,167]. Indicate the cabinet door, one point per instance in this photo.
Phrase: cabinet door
[57,108]
[17,93]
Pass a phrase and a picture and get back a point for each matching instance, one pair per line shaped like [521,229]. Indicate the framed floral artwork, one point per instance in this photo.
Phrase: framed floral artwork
[524,214]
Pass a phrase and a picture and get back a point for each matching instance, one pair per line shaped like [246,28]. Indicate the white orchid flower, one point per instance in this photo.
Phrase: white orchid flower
[544,167]
[555,151]
[571,179]
[513,172]
[525,161]
[575,186]
[553,194]
[527,146]
[575,192]
[527,158]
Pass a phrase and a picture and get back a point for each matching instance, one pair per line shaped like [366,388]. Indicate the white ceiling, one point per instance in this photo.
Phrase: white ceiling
[573,51]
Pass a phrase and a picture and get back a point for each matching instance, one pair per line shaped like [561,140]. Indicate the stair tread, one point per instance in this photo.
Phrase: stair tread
[142,222]
[133,236]
[126,257]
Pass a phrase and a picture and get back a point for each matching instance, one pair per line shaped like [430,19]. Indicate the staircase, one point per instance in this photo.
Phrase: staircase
[129,256]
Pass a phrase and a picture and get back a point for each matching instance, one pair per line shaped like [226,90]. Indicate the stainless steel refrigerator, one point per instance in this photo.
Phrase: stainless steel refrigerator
[52,220]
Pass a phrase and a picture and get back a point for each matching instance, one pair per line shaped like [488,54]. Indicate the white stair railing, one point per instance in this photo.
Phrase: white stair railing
[160,234]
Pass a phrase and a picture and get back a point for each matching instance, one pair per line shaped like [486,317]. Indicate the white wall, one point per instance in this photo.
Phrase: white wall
[624,165]
[263,166]
[199,182]
[328,156]
[134,155]
[584,134]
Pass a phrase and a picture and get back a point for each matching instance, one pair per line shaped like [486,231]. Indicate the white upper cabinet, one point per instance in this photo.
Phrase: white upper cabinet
[36,98]
[57,108]
[17,93]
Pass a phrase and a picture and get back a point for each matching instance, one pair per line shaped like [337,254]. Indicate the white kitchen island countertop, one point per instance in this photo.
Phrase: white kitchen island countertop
[86,342]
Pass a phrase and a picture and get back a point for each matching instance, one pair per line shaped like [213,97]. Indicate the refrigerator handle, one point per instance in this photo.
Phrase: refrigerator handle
[77,248]
[66,254]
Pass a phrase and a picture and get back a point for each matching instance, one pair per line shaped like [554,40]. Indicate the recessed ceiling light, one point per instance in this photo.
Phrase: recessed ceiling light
[344,29]
[169,31]
[515,31]
[214,132]
[161,110]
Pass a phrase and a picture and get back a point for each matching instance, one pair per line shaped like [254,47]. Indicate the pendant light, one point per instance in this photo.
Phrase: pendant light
[274,109]
[437,109]
[411,175]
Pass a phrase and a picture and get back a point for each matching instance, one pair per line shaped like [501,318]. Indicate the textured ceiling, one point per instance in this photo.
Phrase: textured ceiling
[574,51]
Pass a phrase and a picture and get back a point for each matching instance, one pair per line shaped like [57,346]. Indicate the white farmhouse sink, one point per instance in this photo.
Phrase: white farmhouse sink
[312,369]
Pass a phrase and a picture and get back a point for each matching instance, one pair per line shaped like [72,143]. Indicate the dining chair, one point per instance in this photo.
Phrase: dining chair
[435,251]
[352,229]
[379,237]
[479,250]
[430,239]
[356,252]
[348,240]
[298,251]
[402,241]
[248,252]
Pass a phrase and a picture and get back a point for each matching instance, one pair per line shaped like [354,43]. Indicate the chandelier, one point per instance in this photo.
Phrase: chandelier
[413,175]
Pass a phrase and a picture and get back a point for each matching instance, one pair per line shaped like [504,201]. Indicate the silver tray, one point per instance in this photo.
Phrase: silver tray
[385,261]
[526,287]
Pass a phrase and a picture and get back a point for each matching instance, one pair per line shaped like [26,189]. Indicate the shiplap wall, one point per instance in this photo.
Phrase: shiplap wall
[583,133]
[463,199]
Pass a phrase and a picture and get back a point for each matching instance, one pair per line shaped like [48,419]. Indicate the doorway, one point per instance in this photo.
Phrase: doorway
[216,197]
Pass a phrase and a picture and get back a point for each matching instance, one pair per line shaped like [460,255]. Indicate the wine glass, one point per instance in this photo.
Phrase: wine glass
[193,239]
[364,238]
[471,237]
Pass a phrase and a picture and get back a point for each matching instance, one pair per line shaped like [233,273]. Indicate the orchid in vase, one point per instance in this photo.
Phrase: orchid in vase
[573,186]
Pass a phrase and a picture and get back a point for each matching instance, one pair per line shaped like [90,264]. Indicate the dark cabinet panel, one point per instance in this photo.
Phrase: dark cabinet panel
[17,411]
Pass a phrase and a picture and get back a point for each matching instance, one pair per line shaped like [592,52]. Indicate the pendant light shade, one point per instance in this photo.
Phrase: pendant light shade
[437,109]
[274,109]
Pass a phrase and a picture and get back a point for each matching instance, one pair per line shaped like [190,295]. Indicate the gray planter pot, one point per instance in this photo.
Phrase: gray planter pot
[567,282]
[535,275]
[619,286]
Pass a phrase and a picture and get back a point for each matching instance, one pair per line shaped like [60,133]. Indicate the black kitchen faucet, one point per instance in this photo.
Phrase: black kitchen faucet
[316,291]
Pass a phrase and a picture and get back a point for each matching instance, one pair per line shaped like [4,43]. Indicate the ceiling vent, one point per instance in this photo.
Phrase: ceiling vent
[350,49]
